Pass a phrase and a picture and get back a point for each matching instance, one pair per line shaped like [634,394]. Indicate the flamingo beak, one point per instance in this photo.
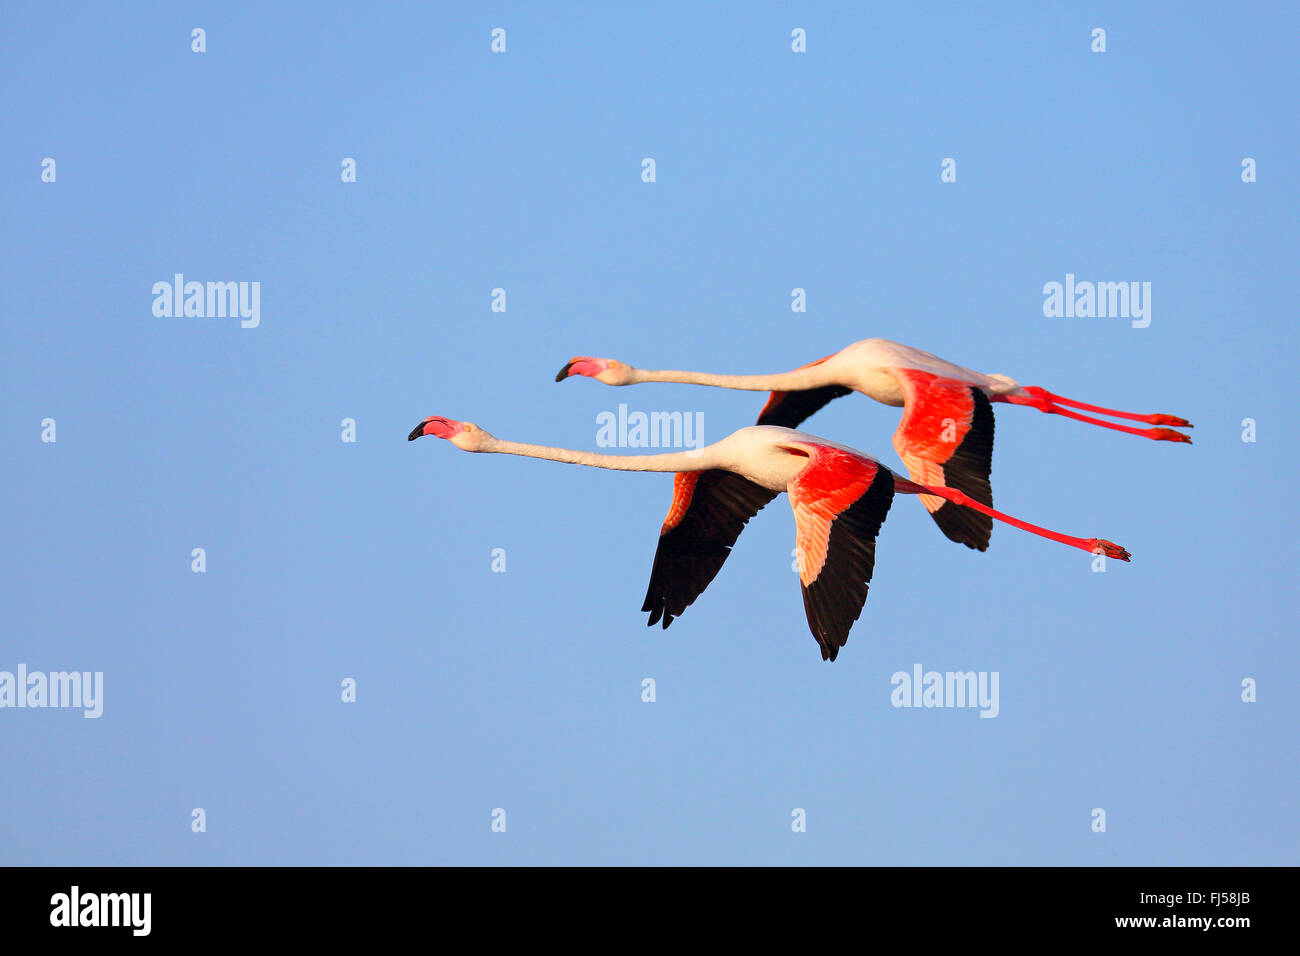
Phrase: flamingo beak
[590,367]
[436,426]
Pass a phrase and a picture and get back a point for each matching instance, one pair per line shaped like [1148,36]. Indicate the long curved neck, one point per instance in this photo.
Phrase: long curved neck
[700,460]
[798,380]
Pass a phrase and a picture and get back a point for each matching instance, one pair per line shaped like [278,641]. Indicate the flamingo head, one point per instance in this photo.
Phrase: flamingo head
[609,371]
[464,435]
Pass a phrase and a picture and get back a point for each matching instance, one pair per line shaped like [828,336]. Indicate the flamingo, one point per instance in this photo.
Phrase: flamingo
[946,433]
[840,498]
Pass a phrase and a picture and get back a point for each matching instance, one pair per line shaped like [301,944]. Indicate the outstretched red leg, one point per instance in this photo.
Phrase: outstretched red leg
[1045,401]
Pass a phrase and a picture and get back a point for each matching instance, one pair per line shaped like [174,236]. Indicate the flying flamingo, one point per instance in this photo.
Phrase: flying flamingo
[946,435]
[840,498]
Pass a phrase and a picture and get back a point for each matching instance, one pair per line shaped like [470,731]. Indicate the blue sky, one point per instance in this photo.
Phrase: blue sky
[372,560]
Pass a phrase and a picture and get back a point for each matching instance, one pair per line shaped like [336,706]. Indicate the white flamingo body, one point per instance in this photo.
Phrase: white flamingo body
[868,368]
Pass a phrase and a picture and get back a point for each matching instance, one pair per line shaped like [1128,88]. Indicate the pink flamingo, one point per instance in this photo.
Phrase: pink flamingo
[840,498]
[946,435]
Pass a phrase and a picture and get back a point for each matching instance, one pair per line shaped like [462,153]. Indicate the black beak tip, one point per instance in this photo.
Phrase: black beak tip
[564,372]
[416,432]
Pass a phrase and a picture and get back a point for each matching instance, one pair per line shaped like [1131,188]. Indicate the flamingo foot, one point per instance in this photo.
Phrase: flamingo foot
[1109,548]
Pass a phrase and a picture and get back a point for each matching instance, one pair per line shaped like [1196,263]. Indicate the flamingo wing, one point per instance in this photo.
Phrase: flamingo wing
[946,438]
[708,512]
[840,501]
[789,409]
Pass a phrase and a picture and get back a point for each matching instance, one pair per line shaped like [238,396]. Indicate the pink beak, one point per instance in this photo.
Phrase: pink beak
[590,367]
[435,425]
